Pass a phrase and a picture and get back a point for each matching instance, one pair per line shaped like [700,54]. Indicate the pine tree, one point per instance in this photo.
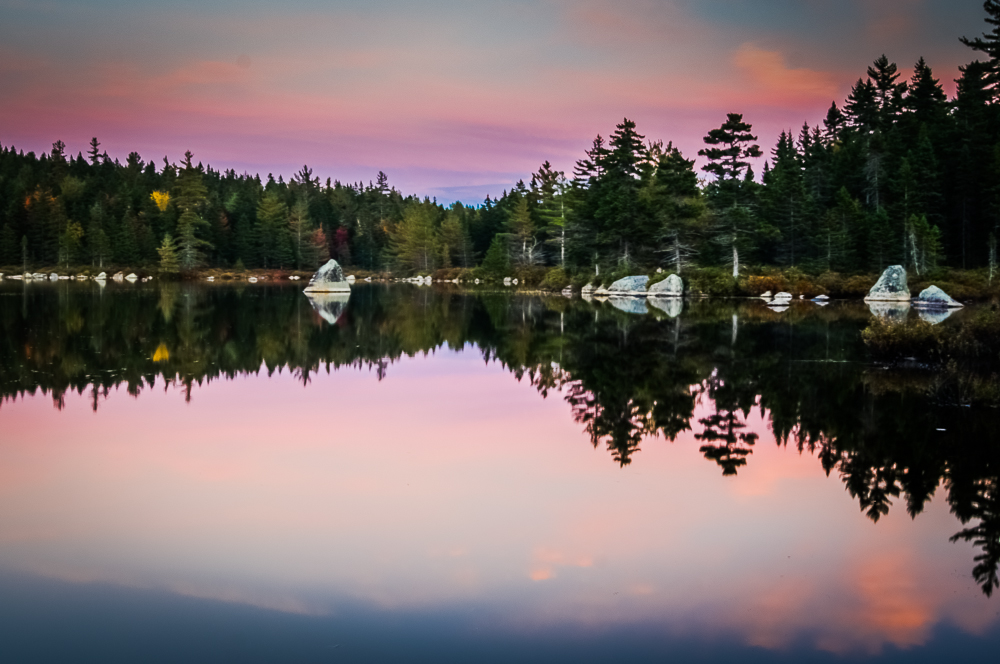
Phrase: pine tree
[496,262]
[522,231]
[169,261]
[734,221]
[8,245]
[272,232]
[989,44]
[301,232]
[94,153]
[675,204]
[190,196]
[414,243]
[787,202]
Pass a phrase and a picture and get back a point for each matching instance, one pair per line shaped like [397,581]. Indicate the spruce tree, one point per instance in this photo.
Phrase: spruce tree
[989,44]
[189,198]
[169,261]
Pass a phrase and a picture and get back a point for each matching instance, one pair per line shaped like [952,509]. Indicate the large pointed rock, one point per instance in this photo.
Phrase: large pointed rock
[329,306]
[672,286]
[629,286]
[934,297]
[329,279]
[891,286]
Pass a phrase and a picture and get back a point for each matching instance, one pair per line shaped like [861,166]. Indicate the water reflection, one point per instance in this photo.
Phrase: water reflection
[725,378]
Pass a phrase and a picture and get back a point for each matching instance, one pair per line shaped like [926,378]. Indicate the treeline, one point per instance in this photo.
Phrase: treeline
[897,174]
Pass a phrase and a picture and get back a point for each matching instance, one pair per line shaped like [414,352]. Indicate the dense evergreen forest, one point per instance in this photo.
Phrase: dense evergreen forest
[899,173]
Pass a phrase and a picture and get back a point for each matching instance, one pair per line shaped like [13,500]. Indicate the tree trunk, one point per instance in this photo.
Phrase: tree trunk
[736,262]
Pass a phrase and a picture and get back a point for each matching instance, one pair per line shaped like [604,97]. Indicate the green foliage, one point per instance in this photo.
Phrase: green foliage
[169,261]
[496,262]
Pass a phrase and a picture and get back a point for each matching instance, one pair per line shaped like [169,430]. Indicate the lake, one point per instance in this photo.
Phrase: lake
[237,473]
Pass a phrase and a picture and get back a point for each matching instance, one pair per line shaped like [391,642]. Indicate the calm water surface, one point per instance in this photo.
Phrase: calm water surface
[237,473]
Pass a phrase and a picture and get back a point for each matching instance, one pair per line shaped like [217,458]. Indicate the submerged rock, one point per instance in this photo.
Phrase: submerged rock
[891,286]
[630,304]
[894,312]
[329,306]
[672,306]
[329,279]
[629,286]
[672,286]
[934,297]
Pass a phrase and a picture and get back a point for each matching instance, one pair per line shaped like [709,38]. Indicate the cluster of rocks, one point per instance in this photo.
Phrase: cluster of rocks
[54,276]
[890,299]
[638,286]
[782,301]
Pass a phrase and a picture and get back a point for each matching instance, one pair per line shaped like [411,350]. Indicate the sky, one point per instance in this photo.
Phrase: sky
[452,99]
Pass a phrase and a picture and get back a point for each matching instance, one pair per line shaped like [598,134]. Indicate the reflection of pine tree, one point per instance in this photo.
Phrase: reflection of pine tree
[725,427]
[985,506]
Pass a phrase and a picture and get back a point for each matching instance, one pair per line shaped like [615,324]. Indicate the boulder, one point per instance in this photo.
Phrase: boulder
[767,295]
[629,286]
[102,276]
[131,278]
[630,304]
[54,277]
[351,278]
[328,279]
[821,298]
[787,297]
[672,286]
[588,289]
[672,306]
[567,292]
[119,276]
[934,297]
[252,280]
[506,281]
[329,306]
[210,279]
[891,286]
[601,292]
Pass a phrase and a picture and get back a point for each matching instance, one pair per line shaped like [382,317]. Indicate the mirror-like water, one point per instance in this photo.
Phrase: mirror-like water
[417,474]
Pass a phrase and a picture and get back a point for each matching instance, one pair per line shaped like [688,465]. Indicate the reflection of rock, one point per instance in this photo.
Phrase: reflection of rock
[778,308]
[672,286]
[894,312]
[672,306]
[934,315]
[329,306]
[891,286]
[821,303]
[629,286]
[630,305]
[934,297]
[329,279]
